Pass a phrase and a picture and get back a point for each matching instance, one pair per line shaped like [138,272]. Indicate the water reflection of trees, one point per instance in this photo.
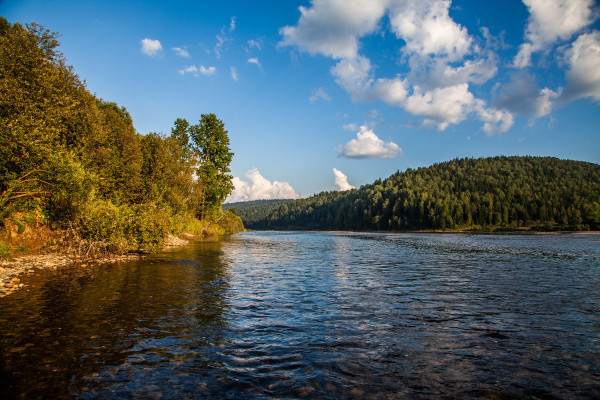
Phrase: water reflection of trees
[86,325]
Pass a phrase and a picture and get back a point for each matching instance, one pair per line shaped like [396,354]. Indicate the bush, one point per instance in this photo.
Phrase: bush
[140,227]
[149,227]
[4,251]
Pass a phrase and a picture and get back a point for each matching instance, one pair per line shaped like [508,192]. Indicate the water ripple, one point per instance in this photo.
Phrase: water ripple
[316,315]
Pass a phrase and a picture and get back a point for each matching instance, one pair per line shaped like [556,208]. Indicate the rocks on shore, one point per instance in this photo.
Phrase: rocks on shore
[10,270]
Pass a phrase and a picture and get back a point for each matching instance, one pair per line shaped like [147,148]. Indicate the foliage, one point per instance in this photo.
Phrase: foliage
[77,161]
[4,251]
[254,213]
[485,194]
[40,97]
[210,141]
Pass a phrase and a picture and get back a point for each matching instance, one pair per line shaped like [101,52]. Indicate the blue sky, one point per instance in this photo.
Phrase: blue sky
[328,94]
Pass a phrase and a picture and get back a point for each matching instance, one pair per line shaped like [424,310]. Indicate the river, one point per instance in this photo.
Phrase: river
[315,315]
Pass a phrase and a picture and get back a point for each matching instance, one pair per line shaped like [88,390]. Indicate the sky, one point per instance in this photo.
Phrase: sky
[322,95]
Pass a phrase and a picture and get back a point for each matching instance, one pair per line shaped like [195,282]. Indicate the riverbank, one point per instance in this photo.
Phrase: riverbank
[12,271]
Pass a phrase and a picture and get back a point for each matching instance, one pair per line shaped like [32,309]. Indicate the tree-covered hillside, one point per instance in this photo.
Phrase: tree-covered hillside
[70,159]
[491,193]
[254,213]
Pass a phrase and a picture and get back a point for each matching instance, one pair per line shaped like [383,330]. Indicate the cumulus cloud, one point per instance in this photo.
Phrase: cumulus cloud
[444,61]
[477,71]
[207,71]
[447,105]
[550,20]
[260,188]
[341,180]
[428,30]
[494,120]
[332,27]
[368,145]
[583,76]
[319,93]
[354,75]
[181,52]
[522,96]
[196,71]
[192,69]
[151,47]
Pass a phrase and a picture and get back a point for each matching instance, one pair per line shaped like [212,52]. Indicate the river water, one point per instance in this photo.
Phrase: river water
[315,315]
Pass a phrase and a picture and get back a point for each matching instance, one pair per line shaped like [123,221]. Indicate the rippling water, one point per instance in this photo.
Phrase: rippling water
[315,315]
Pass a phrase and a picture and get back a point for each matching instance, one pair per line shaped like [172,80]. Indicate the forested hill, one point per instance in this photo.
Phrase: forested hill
[255,211]
[541,193]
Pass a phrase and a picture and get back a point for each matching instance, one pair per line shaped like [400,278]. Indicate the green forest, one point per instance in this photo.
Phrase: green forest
[485,194]
[72,161]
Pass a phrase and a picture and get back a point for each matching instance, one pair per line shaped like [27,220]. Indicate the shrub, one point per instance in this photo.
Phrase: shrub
[4,251]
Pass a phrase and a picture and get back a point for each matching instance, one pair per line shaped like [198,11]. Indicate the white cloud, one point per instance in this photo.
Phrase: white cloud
[495,120]
[195,70]
[368,145]
[448,105]
[181,52]
[192,69]
[428,30]
[319,93]
[254,44]
[443,60]
[477,71]
[234,74]
[260,188]
[341,180]
[354,75]
[232,24]
[255,62]
[207,71]
[371,114]
[391,91]
[332,27]
[522,96]
[549,21]
[151,47]
[583,76]
[350,127]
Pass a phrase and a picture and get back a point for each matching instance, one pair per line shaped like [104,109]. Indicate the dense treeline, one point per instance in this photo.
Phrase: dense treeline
[68,158]
[254,212]
[485,194]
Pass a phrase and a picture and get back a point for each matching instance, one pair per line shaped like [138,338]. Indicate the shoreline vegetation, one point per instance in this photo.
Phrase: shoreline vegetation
[79,184]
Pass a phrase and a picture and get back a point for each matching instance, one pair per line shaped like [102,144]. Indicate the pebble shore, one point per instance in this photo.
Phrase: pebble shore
[11,271]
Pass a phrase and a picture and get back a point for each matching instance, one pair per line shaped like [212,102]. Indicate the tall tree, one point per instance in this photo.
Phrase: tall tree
[211,142]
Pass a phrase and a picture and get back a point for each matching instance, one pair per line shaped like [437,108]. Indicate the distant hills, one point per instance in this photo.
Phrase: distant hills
[497,193]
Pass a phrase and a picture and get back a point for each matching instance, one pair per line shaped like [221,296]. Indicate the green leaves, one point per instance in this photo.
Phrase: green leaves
[210,142]
[78,160]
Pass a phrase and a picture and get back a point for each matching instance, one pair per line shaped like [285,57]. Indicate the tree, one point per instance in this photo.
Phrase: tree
[180,134]
[210,141]
[40,98]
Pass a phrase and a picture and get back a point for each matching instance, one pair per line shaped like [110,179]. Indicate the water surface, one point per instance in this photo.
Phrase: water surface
[315,315]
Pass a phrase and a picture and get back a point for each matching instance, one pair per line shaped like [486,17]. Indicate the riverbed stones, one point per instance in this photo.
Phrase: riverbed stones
[11,270]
